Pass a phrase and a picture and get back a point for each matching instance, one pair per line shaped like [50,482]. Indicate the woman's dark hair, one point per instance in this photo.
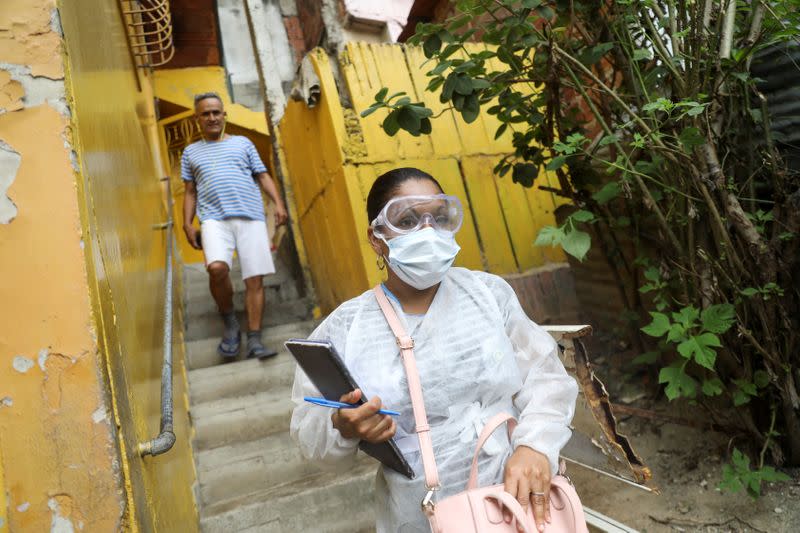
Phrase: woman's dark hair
[385,186]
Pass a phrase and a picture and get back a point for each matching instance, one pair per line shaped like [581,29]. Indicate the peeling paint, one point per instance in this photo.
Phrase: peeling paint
[22,364]
[23,507]
[10,161]
[38,90]
[7,401]
[60,522]
[11,93]
[42,359]
[99,415]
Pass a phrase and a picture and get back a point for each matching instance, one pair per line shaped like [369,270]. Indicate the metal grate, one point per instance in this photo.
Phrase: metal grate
[179,132]
[149,25]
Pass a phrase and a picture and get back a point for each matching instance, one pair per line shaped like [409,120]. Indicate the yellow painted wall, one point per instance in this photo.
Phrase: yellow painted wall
[58,459]
[333,156]
[118,151]
[80,348]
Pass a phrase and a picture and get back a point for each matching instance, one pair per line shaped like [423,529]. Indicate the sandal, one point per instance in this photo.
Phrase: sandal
[229,347]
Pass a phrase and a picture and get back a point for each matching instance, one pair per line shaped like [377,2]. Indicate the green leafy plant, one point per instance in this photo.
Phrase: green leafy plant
[650,116]
[738,475]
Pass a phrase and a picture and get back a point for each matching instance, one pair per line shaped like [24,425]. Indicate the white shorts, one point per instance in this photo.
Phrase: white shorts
[248,237]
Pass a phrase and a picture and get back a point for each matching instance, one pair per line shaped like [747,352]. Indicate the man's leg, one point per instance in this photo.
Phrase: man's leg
[218,245]
[219,281]
[254,255]
[254,302]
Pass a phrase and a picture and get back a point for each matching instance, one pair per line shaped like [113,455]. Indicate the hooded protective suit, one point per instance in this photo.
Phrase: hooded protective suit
[478,354]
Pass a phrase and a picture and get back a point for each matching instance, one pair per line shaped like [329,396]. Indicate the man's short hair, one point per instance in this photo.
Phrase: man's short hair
[204,96]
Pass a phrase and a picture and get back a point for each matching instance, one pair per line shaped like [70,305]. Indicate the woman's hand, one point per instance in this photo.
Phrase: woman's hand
[363,422]
[527,478]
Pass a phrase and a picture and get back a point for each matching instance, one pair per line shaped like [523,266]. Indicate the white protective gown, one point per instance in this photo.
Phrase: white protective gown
[478,354]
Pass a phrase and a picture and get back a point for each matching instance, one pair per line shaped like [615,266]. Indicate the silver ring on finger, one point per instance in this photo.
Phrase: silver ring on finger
[539,497]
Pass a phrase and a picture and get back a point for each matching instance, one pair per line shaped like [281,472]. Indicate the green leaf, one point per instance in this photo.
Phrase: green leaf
[549,236]
[425,126]
[380,95]
[370,110]
[448,88]
[556,163]
[677,333]
[713,387]
[652,274]
[500,130]
[761,379]
[662,104]
[686,316]
[463,84]
[647,358]
[690,138]
[659,326]
[701,348]
[577,243]
[679,384]
[432,45]
[582,216]
[471,109]
[420,110]
[440,68]
[409,121]
[390,124]
[524,174]
[718,318]
[749,291]
[642,54]
[609,191]
[609,139]
[770,474]
[478,83]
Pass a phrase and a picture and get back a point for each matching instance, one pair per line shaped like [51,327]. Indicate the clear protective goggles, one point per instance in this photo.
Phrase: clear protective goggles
[407,214]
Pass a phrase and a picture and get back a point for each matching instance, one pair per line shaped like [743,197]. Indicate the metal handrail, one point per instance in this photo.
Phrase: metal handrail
[164,441]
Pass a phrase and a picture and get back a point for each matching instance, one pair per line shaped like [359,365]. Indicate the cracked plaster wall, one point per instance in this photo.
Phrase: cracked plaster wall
[58,464]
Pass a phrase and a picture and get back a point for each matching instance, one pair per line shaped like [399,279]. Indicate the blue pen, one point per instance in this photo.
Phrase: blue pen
[340,405]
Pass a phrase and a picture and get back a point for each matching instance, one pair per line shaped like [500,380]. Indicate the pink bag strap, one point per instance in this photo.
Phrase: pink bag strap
[423,430]
[491,425]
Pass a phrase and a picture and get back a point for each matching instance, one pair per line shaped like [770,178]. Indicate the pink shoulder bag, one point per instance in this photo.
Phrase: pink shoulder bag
[477,509]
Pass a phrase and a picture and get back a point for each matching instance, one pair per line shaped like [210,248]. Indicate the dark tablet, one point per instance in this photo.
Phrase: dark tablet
[327,372]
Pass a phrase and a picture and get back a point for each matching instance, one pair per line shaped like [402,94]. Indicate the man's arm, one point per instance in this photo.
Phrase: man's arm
[189,208]
[269,187]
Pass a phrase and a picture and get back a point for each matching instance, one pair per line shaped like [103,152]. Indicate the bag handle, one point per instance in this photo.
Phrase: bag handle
[491,425]
[422,428]
[509,502]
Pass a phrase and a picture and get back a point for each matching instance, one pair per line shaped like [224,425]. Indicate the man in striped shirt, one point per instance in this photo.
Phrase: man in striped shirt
[222,174]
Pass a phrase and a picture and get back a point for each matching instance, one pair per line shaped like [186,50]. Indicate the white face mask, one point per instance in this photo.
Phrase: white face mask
[423,257]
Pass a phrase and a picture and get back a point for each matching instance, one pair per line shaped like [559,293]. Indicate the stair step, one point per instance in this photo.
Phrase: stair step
[234,471]
[202,325]
[202,353]
[249,376]
[243,418]
[334,502]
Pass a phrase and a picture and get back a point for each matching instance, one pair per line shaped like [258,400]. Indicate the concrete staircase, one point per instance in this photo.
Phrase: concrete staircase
[251,477]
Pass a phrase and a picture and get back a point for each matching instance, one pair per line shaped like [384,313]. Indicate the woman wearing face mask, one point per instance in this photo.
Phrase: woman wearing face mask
[477,354]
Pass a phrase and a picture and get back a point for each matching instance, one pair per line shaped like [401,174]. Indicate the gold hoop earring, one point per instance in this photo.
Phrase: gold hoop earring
[381,262]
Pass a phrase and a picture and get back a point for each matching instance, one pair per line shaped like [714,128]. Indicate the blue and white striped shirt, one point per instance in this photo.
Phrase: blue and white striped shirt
[224,172]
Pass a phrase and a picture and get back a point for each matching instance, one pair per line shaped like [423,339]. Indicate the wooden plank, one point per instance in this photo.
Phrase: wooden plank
[394,74]
[358,64]
[488,212]
[522,222]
